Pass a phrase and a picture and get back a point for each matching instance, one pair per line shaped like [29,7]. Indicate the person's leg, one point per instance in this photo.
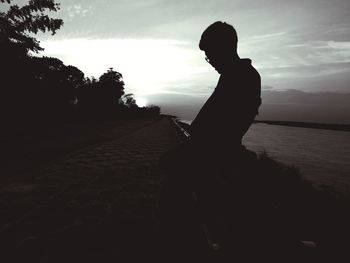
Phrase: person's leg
[178,226]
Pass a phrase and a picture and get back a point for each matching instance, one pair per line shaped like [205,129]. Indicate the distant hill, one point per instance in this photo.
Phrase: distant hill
[285,105]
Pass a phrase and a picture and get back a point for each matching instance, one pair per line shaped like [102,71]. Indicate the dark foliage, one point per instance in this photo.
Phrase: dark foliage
[27,79]
[302,209]
[103,95]
[129,101]
[18,22]
[43,89]
[256,203]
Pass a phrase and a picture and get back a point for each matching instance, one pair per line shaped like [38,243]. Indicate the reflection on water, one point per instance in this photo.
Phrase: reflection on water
[322,155]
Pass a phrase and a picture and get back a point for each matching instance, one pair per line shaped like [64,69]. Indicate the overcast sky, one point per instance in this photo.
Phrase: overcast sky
[299,44]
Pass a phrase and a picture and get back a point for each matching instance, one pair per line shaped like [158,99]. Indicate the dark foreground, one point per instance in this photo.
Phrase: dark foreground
[100,203]
[95,205]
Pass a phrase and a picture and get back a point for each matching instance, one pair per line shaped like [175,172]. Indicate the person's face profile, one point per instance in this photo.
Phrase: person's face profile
[214,58]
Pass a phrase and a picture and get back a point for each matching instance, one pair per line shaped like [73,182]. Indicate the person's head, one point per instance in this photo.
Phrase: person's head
[219,42]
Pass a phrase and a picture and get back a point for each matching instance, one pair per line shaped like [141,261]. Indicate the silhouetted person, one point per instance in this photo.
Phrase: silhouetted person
[214,163]
[234,199]
[218,128]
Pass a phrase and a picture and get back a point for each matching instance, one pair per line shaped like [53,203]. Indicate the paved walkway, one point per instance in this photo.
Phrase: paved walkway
[98,205]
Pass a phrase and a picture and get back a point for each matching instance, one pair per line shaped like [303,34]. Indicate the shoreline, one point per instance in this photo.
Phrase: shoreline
[323,126]
[297,124]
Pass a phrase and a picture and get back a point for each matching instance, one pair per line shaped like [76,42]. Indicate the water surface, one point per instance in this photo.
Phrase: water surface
[322,155]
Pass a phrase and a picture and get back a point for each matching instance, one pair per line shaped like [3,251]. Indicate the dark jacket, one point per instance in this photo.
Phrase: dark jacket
[228,113]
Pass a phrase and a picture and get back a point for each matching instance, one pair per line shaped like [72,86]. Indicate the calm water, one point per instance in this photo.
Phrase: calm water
[322,155]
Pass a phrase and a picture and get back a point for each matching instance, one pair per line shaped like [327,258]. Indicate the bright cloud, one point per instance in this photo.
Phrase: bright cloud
[151,66]
[284,57]
[148,66]
[287,41]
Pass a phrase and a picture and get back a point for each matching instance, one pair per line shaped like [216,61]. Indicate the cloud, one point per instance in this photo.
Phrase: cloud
[296,105]
[148,65]
[266,87]
[77,10]
[282,58]
[294,44]
[313,78]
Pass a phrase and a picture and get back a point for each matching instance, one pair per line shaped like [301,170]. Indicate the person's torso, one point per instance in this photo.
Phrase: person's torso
[231,109]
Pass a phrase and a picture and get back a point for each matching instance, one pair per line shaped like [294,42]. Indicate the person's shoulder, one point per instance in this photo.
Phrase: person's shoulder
[245,64]
[241,70]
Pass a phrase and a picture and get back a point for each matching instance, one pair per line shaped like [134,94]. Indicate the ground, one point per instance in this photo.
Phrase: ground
[95,204]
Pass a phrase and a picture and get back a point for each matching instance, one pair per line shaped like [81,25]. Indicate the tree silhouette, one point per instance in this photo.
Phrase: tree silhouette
[102,97]
[129,101]
[23,75]
[73,79]
[43,87]
[18,22]
[50,86]
[89,95]
[112,86]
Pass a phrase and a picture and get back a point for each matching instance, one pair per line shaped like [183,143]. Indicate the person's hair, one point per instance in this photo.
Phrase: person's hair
[219,35]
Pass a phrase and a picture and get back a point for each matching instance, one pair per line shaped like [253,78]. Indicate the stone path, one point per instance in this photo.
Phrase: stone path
[98,205]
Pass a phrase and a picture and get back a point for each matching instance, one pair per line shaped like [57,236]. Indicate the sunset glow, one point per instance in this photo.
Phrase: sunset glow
[148,66]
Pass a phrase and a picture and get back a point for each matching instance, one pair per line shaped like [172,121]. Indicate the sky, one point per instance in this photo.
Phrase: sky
[299,45]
